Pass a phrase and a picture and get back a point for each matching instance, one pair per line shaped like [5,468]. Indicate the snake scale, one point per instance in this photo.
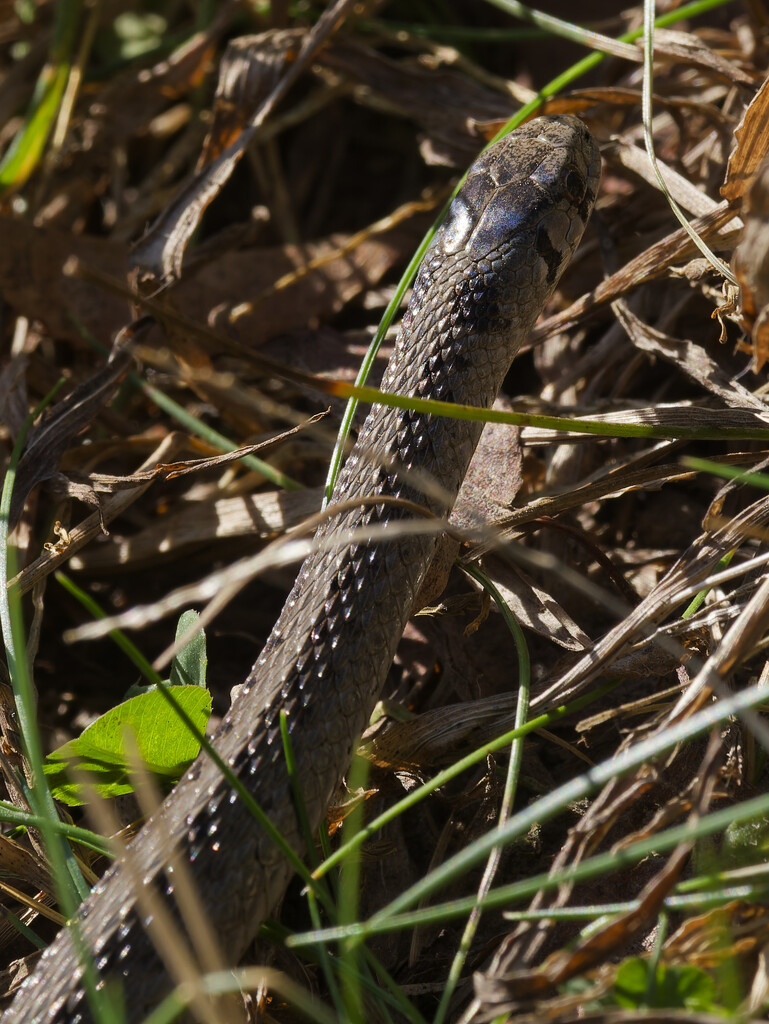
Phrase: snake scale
[510,231]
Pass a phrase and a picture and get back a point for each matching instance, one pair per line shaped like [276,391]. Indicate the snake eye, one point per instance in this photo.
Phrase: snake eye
[574,184]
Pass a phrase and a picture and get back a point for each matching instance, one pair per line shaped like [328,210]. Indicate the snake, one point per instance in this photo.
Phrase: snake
[510,231]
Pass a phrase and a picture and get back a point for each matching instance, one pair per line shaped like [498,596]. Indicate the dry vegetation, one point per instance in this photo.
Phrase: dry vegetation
[278,235]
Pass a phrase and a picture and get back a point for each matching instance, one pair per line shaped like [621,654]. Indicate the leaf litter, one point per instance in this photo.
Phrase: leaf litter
[282,227]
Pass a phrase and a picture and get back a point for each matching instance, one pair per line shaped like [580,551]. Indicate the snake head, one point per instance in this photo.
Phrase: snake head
[533,190]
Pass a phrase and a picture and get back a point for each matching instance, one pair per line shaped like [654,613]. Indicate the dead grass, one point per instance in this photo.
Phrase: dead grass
[638,577]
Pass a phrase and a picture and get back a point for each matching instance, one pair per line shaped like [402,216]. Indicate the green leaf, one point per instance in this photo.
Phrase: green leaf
[688,988]
[130,35]
[190,664]
[631,982]
[745,843]
[166,747]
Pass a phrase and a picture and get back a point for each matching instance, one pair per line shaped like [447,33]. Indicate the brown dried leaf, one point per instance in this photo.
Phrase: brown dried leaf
[506,983]
[692,359]
[719,936]
[249,70]
[60,424]
[613,481]
[751,266]
[219,293]
[14,404]
[758,347]
[438,737]
[561,966]
[17,861]
[130,101]
[157,259]
[689,571]
[534,607]
[35,283]
[448,105]
[632,157]
[752,145]
[579,100]
[679,414]
[686,48]
[80,535]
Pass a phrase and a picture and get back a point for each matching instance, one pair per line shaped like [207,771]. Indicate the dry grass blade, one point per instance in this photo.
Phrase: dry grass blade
[86,530]
[687,575]
[509,981]
[290,161]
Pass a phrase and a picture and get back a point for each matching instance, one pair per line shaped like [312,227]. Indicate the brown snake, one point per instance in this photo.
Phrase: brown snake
[510,232]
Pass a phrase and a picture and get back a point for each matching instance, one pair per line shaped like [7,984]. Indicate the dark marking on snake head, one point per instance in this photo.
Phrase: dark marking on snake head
[552,257]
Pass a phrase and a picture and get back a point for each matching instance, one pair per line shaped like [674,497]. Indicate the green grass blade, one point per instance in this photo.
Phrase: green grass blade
[554,803]
[445,776]
[511,784]
[71,887]
[25,151]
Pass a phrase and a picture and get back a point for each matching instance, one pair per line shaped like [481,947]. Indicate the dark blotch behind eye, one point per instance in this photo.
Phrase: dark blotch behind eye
[574,184]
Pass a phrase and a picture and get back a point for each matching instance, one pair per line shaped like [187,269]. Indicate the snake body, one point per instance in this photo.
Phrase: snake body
[510,231]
